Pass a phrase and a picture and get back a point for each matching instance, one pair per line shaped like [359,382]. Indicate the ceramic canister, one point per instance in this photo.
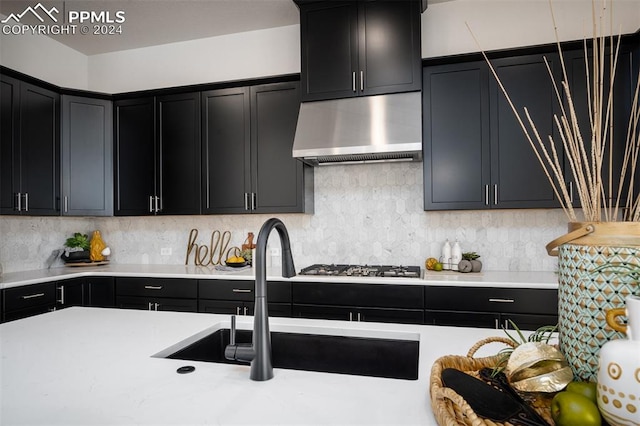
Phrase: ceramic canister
[619,368]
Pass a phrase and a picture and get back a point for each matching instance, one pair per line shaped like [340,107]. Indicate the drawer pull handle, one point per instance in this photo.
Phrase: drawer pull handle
[32,296]
[502,300]
[153,287]
[241,290]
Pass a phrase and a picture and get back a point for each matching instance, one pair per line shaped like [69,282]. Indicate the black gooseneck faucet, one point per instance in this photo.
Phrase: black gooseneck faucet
[259,352]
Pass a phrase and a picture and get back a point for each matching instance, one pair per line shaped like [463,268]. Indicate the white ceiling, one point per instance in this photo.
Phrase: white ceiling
[153,22]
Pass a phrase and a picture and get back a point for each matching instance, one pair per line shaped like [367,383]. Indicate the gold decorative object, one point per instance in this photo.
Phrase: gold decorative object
[213,254]
[538,367]
[96,247]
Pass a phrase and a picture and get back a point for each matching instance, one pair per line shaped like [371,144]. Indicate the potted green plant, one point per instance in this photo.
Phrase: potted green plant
[77,248]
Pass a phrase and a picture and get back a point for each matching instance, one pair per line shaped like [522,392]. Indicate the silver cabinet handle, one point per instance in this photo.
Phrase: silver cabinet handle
[153,287]
[359,317]
[156,306]
[254,201]
[66,204]
[571,191]
[19,201]
[506,324]
[150,203]
[237,310]
[32,296]
[353,81]
[362,81]
[495,194]
[502,300]
[149,306]
[496,323]
[245,310]
[241,290]
[486,195]
[158,204]
[26,201]
[350,316]
[246,201]
[61,301]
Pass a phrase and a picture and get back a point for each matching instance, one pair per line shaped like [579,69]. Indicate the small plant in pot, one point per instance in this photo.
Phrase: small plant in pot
[76,248]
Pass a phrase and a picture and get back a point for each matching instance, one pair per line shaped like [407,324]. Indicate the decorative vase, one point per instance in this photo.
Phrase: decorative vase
[619,372]
[97,245]
[584,294]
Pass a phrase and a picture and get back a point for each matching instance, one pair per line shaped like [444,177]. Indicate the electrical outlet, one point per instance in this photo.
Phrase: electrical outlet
[165,251]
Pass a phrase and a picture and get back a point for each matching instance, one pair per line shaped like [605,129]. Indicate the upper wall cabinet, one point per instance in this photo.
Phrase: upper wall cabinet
[29,149]
[157,152]
[356,48]
[476,156]
[87,168]
[247,140]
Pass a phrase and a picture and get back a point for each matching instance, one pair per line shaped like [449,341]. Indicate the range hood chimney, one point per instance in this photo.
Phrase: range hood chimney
[360,130]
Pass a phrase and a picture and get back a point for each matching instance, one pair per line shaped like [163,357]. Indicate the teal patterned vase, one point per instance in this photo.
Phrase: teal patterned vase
[584,294]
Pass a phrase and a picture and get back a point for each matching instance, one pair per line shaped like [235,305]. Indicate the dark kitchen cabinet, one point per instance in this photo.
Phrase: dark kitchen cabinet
[456,139]
[476,155]
[179,153]
[157,151]
[351,48]
[359,302]
[157,294]
[29,149]
[86,291]
[486,307]
[247,141]
[517,178]
[235,297]
[623,91]
[87,156]
[29,300]
[135,157]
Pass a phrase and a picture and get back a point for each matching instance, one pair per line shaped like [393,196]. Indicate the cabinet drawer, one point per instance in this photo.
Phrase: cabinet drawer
[157,287]
[157,304]
[360,295]
[29,296]
[341,313]
[509,300]
[243,290]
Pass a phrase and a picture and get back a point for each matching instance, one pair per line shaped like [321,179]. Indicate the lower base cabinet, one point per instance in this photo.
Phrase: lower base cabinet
[236,297]
[26,301]
[157,294]
[341,313]
[489,307]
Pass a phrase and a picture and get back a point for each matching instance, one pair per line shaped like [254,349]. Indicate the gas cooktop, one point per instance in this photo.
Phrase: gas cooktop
[362,270]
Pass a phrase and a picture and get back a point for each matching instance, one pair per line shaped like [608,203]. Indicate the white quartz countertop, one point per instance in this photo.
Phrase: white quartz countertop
[94,366]
[444,278]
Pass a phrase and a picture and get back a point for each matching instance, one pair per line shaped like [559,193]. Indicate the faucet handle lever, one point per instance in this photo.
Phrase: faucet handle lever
[238,352]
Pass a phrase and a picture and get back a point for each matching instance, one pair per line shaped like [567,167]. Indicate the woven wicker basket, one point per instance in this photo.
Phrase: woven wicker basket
[450,409]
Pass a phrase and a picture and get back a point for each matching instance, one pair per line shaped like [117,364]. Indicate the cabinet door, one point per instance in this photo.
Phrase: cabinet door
[134,150]
[226,160]
[25,301]
[39,150]
[71,293]
[456,136]
[527,321]
[329,46]
[157,304]
[179,153]
[100,292]
[9,144]
[389,47]
[87,159]
[278,179]
[623,92]
[518,179]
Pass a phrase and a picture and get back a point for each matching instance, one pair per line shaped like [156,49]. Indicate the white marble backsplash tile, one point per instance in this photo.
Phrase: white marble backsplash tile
[370,213]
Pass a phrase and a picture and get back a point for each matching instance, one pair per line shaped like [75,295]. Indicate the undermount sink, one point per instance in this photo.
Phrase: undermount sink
[355,355]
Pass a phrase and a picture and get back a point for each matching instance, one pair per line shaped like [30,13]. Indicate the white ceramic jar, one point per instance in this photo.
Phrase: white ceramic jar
[619,368]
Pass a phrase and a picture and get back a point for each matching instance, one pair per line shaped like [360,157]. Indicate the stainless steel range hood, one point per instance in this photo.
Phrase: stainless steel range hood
[361,129]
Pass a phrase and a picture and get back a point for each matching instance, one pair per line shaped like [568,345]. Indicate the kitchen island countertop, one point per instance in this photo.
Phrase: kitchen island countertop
[83,366]
[445,278]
